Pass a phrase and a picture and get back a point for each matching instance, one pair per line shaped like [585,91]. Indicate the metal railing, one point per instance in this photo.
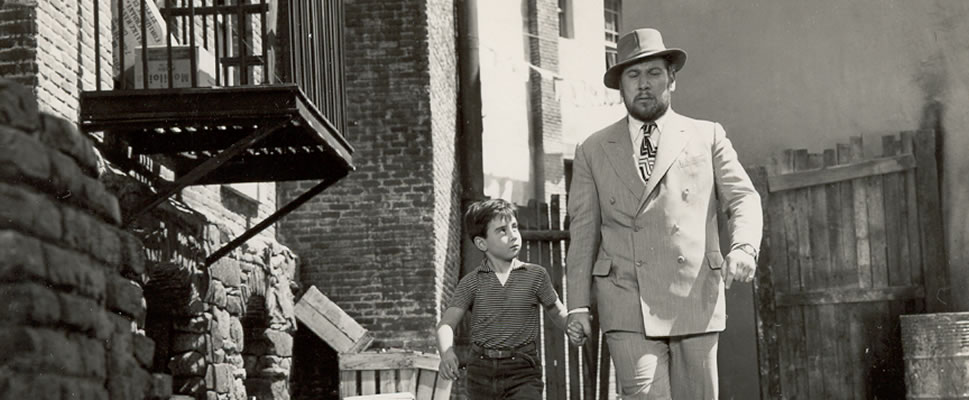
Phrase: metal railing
[221,43]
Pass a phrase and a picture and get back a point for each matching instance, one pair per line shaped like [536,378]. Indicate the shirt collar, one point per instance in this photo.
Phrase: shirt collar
[636,126]
[486,265]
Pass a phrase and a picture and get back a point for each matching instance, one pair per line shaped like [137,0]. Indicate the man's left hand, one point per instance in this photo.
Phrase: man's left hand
[739,266]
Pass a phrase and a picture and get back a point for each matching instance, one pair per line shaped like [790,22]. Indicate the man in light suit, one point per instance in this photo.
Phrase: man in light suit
[644,231]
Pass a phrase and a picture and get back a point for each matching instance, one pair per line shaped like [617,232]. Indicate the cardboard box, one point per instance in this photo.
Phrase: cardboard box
[155,29]
[181,67]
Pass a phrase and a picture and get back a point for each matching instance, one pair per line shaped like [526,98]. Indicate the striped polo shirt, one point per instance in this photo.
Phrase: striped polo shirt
[504,316]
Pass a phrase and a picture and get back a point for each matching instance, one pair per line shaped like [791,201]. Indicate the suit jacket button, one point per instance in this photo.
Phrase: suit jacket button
[676,228]
[612,200]
[639,263]
[635,229]
[681,259]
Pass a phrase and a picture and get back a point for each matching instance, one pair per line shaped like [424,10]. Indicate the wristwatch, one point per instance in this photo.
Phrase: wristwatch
[747,248]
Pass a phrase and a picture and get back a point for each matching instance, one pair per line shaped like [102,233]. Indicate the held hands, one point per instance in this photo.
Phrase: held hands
[449,367]
[578,328]
[738,266]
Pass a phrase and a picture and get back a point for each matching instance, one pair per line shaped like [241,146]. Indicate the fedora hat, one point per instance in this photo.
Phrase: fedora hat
[638,45]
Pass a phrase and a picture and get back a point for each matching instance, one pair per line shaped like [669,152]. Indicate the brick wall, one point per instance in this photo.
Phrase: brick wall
[545,107]
[378,243]
[70,279]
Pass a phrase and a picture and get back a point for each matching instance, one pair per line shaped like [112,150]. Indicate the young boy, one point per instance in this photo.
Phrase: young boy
[503,294]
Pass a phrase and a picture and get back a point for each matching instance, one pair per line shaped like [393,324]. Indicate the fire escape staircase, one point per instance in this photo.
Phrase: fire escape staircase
[231,132]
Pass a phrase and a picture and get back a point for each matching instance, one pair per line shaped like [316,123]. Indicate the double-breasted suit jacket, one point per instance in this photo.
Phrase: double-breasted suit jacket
[651,252]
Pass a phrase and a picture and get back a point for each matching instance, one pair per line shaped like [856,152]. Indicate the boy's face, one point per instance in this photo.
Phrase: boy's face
[502,239]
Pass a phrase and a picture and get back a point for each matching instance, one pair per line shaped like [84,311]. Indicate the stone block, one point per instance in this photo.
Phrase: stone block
[132,257]
[236,335]
[192,386]
[219,377]
[23,157]
[227,271]
[76,271]
[107,244]
[222,329]
[234,305]
[29,211]
[18,106]
[99,200]
[215,295]
[63,136]
[279,343]
[29,386]
[144,349]
[190,342]
[29,303]
[40,351]
[161,387]
[84,315]
[191,363]
[126,297]
[93,357]
[197,324]
[66,179]
[21,258]
[79,229]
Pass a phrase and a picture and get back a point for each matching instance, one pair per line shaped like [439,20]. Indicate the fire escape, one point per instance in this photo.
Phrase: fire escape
[221,92]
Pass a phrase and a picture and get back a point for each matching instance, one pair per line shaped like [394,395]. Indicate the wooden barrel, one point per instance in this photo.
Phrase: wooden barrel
[936,352]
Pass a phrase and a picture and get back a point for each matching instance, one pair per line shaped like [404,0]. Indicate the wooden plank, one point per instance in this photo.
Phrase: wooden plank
[832,215]
[802,212]
[555,345]
[876,231]
[348,383]
[775,242]
[442,389]
[387,396]
[788,363]
[789,205]
[849,295]
[856,369]
[934,264]
[816,176]
[407,380]
[425,384]
[544,235]
[814,339]
[818,227]
[388,381]
[321,326]
[862,246]
[368,381]
[389,360]
[846,273]
[330,322]
[831,367]
[891,217]
[765,314]
[912,215]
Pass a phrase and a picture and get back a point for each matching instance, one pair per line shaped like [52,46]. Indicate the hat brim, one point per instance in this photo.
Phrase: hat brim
[676,57]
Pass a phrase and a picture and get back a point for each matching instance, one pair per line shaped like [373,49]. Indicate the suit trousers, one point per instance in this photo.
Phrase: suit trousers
[677,368]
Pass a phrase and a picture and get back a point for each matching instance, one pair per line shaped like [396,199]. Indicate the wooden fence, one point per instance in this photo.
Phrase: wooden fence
[850,243]
[570,372]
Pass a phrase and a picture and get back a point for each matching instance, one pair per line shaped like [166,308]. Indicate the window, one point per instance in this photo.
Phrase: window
[565,19]
[612,10]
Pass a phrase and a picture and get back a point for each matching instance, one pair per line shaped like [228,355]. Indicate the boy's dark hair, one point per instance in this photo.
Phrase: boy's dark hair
[480,213]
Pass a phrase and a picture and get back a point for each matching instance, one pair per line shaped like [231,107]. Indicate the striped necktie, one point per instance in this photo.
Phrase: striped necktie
[647,152]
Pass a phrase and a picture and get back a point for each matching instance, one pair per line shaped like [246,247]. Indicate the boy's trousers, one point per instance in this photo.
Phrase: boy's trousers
[513,374]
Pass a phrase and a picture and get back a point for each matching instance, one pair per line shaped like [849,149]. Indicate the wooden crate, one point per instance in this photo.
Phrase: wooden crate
[392,373]
[331,323]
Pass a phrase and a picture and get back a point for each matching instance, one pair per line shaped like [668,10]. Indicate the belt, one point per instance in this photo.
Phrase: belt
[503,353]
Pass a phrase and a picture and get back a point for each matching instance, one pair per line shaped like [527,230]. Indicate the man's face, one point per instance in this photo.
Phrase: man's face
[646,88]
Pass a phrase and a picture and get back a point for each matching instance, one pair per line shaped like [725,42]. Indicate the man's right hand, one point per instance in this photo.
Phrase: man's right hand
[449,365]
[578,328]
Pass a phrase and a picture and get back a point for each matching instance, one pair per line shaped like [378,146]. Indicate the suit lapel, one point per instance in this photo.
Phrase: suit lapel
[672,140]
[619,152]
